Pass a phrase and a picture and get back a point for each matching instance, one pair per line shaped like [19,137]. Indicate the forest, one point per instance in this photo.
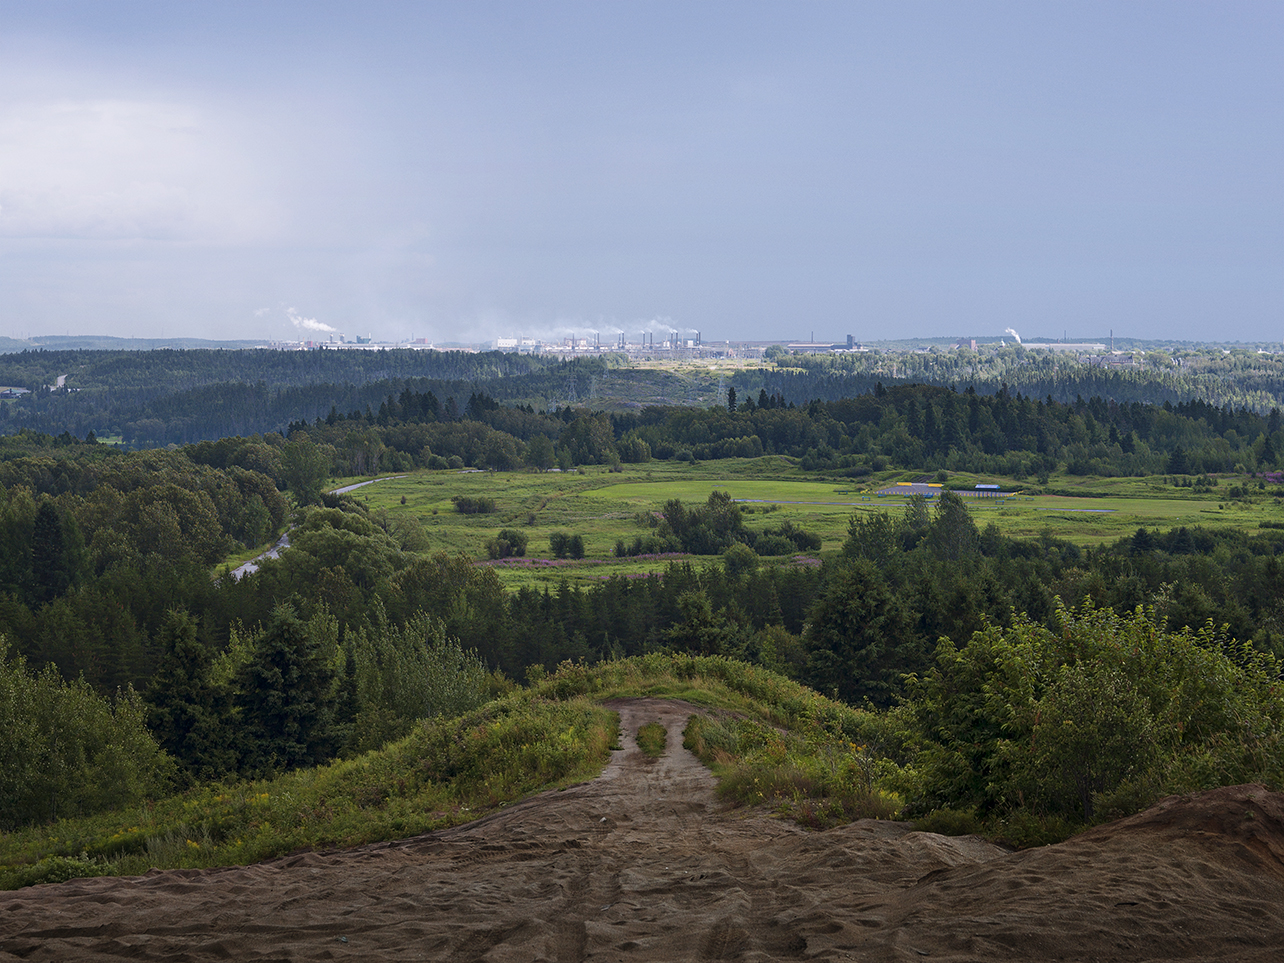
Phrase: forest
[135,663]
[146,399]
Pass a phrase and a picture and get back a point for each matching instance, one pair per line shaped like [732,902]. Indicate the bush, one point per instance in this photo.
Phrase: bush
[67,751]
[739,560]
[497,548]
[802,540]
[1040,729]
[559,543]
[772,545]
[804,774]
[516,540]
[474,505]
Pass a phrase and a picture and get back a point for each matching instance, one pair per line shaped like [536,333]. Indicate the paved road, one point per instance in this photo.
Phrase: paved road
[252,565]
[350,488]
[283,542]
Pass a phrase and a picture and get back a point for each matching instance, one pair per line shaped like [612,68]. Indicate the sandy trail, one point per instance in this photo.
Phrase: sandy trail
[643,865]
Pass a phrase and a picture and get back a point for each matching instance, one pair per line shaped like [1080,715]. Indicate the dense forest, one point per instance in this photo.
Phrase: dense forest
[152,398]
[1238,378]
[908,426]
[110,572]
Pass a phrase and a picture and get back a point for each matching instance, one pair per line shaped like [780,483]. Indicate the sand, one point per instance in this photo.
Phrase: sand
[643,864]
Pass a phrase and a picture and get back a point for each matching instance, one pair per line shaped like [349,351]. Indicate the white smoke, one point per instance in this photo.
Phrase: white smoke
[309,324]
[1013,333]
[665,326]
[608,331]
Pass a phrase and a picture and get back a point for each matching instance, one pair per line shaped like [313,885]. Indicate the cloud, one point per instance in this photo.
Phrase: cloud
[309,324]
[123,169]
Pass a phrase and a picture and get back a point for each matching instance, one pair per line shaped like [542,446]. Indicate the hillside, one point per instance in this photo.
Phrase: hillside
[643,864]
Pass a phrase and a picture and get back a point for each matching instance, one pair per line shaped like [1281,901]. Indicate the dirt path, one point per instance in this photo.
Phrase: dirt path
[643,865]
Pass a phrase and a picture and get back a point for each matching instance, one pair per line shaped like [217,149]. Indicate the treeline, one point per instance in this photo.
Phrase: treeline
[98,545]
[169,371]
[154,398]
[1242,378]
[912,426]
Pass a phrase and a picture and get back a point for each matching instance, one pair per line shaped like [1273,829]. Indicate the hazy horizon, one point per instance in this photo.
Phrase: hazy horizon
[753,171]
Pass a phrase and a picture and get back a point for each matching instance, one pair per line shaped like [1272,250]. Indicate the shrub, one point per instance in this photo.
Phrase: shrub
[739,560]
[474,505]
[804,774]
[516,539]
[559,543]
[801,539]
[773,545]
[1094,720]
[497,548]
[67,751]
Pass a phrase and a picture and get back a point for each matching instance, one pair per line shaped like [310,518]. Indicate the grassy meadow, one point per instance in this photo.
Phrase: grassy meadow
[603,506]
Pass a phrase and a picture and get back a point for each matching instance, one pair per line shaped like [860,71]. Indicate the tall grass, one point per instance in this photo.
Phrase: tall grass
[444,773]
[776,743]
[814,759]
[812,779]
[652,739]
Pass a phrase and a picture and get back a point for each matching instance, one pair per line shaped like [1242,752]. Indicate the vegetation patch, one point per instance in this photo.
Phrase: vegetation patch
[652,739]
[805,775]
[444,773]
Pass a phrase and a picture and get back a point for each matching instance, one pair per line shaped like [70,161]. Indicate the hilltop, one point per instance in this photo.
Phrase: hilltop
[643,863]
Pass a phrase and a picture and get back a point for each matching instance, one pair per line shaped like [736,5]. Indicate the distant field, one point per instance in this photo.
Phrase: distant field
[602,507]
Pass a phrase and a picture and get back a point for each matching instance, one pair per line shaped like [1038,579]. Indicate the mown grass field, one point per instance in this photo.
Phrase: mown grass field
[603,506]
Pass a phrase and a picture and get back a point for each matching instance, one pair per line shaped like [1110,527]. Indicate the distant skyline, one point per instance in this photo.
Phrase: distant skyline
[465,171]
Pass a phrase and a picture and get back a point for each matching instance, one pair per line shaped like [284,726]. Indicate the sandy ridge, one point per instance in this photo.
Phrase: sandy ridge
[643,864]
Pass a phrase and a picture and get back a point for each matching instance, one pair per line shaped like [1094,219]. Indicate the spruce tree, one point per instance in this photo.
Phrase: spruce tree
[187,712]
[284,694]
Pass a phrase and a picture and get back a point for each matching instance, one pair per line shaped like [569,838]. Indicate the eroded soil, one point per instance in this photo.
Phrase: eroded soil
[643,864]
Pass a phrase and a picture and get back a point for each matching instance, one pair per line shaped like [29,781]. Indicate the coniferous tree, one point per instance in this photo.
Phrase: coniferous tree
[284,697]
[187,712]
[50,566]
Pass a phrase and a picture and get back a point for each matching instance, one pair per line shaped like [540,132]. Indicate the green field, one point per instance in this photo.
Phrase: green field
[603,506]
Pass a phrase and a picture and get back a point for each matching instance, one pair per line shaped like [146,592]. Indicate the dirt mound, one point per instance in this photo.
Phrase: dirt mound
[1244,824]
[643,865]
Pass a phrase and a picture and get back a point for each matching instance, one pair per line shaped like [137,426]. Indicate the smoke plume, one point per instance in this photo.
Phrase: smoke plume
[1012,332]
[309,324]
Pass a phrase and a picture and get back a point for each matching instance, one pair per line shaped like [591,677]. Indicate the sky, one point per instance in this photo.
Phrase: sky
[460,171]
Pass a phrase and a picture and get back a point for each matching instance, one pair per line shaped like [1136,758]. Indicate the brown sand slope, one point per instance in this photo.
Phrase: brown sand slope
[643,865]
